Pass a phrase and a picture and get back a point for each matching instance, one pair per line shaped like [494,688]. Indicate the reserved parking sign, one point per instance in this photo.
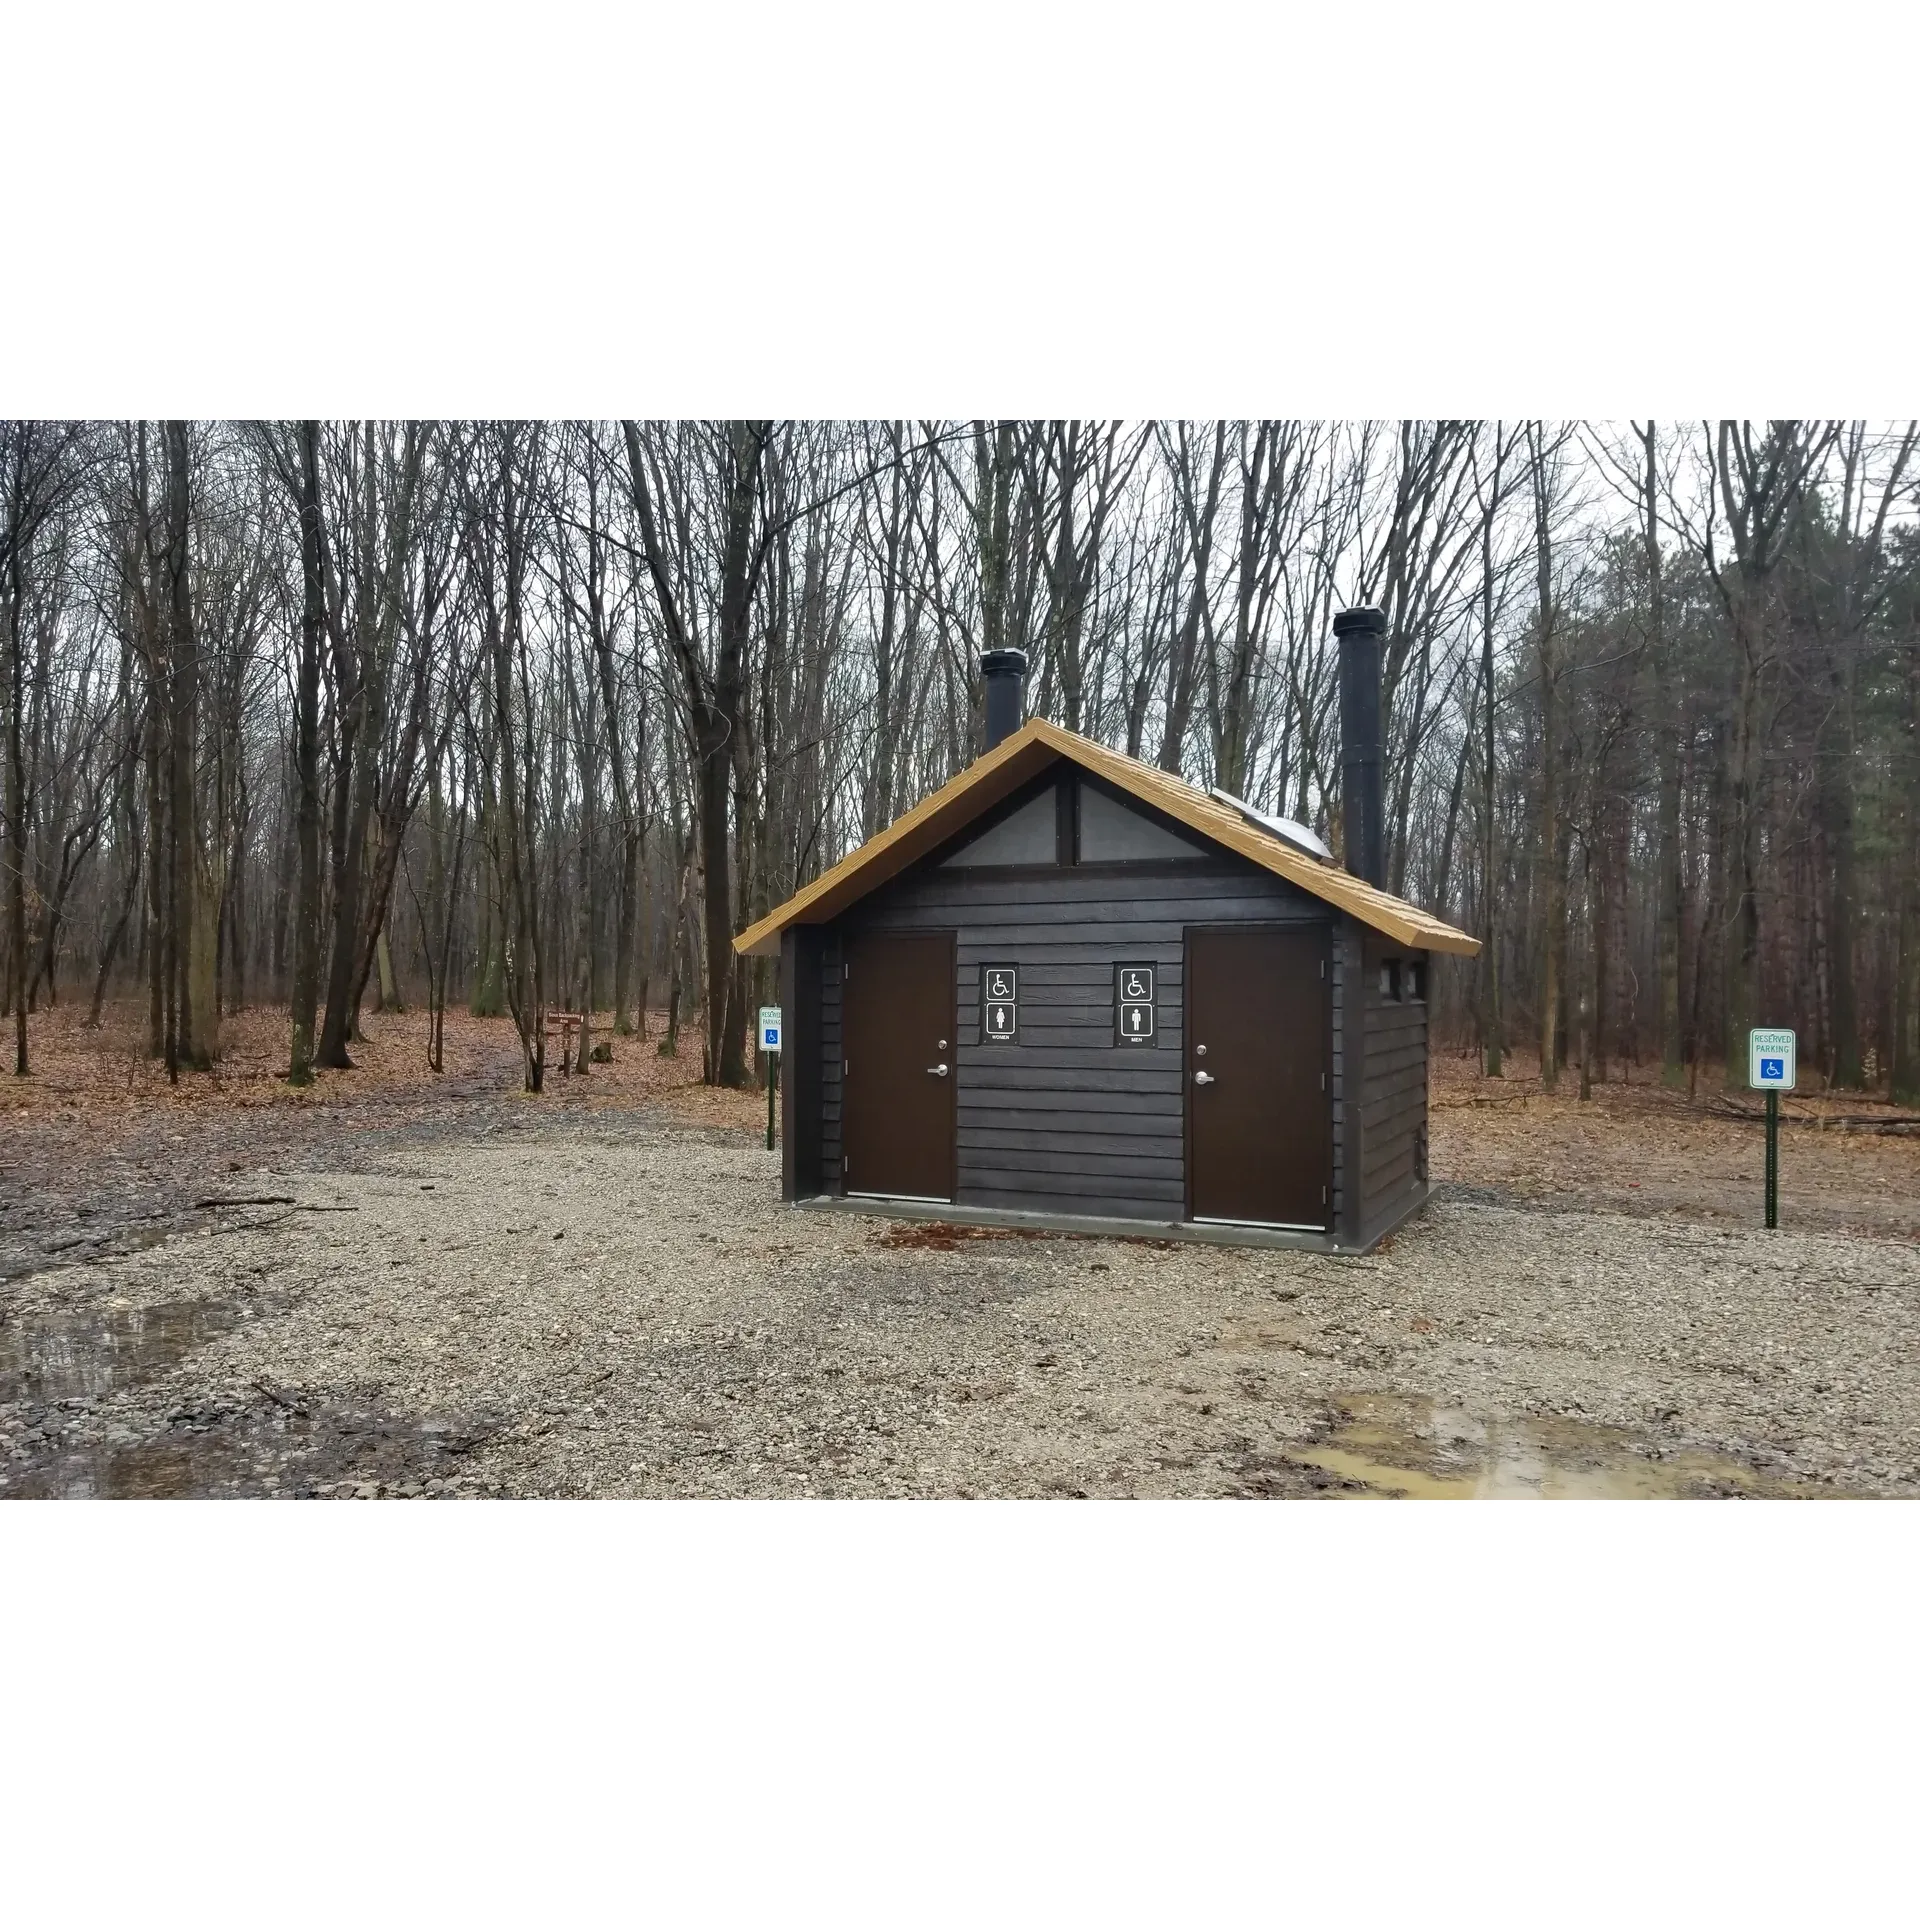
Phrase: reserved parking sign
[1771,1059]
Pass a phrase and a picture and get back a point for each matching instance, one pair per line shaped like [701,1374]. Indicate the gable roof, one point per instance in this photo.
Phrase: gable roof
[1016,760]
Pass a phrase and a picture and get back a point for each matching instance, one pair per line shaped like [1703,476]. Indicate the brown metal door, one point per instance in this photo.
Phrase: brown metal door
[898,1037]
[1259,1113]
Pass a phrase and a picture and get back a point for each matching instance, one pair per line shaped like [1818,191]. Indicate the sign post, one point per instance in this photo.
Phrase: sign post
[770,1046]
[1772,1068]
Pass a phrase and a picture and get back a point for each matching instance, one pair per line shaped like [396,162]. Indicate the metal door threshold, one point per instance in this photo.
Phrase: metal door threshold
[1275,1226]
[1096,1226]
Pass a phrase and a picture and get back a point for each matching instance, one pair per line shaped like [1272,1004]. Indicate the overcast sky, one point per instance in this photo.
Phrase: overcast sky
[1026,209]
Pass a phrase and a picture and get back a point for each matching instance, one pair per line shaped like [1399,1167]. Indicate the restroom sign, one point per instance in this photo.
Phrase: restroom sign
[1772,1059]
[1000,1002]
[1134,1011]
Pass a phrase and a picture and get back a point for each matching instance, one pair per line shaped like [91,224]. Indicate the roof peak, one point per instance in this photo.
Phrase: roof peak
[1026,752]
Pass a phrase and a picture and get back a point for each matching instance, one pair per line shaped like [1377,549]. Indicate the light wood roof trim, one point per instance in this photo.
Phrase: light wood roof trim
[1016,760]
[963,799]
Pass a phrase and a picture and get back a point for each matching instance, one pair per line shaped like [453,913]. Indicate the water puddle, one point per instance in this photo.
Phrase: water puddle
[159,1471]
[58,1442]
[50,1357]
[1386,1446]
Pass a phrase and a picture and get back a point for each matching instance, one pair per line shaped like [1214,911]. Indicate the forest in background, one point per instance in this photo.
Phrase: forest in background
[537,715]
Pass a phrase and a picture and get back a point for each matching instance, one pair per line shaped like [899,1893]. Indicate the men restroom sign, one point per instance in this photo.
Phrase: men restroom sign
[1133,1005]
[999,1003]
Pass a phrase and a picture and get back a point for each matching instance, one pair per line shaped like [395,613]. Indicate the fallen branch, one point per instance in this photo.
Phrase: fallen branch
[247,1200]
[1825,1122]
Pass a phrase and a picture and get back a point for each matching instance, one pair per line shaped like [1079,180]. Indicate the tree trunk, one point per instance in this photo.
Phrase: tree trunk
[716,705]
[1553,943]
[16,842]
[434,931]
[1667,724]
[1906,965]
[306,749]
[1184,654]
[237,896]
[110,951]
[159,861]
[488,1000]
[1836,807]
[186,1036]
[1490,888]
[353,803]
[201,1010]
[1741,955]
[625,780]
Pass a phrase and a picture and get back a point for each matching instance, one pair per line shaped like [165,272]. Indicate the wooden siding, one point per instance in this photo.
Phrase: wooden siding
[832,960]
[800,1106]
[1339,992]
[1393,1101]
[1064,1122]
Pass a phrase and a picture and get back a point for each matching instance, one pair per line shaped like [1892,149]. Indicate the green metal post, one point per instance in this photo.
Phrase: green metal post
[773,1077]
[1773,1158]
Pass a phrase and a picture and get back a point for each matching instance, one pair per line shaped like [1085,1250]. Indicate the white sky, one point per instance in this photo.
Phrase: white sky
[1025,208]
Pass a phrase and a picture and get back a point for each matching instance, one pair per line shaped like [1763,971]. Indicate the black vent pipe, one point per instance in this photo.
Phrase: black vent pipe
[1362,795]
[1005,672]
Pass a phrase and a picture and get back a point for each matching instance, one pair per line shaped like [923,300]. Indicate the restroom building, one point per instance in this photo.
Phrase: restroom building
[1069,989]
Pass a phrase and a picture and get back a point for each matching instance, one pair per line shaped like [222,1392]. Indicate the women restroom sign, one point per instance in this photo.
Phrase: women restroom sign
[1771,1059]
[1000,1003]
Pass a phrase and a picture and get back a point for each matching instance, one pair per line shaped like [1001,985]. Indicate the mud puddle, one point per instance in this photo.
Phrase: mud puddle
[49,1357]
[263,1448]
[1385,1446]
[87,1412]
[240,1453]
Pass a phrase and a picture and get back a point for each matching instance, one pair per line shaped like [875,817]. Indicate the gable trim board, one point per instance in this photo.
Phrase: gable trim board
[1028,753]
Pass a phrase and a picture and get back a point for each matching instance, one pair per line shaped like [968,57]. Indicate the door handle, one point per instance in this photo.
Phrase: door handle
[941,1069]
[1203,1078]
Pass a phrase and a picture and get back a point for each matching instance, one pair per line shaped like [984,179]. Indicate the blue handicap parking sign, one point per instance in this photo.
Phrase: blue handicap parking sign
[1775,1069]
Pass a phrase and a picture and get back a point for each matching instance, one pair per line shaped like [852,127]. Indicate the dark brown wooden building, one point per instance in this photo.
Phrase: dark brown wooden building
[1069,989]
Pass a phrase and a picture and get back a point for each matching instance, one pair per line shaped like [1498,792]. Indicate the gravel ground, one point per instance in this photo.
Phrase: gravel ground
[620,1306]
